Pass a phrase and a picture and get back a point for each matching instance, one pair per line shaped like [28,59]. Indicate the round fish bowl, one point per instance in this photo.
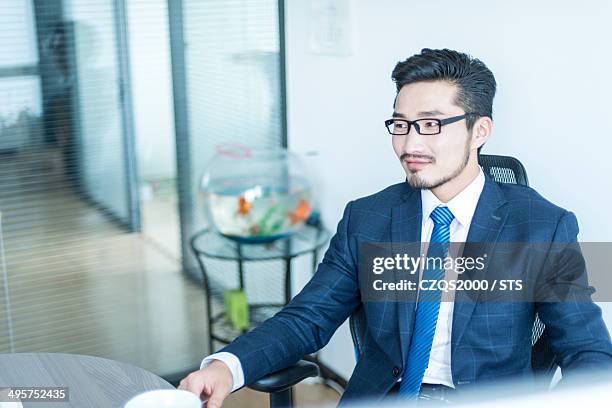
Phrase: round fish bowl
[255,196]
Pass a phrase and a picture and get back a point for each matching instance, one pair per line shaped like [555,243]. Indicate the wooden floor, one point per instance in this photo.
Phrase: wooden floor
[305,395]
[78,283]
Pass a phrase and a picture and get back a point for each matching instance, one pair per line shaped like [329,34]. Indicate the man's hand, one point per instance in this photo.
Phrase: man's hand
[212,383]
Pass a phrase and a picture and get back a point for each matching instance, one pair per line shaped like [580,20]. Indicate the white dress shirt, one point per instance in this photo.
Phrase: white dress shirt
[462,206]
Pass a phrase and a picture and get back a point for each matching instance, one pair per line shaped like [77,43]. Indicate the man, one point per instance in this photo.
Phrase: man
[442,117]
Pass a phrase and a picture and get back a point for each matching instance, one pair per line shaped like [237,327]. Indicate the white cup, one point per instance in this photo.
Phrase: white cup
[165,399]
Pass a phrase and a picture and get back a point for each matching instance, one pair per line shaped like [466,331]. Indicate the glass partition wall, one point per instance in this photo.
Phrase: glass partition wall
[228,78]
[109,111]
[227,60]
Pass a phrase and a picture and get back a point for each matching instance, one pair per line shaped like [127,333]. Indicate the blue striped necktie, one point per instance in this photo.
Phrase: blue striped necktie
[428,307]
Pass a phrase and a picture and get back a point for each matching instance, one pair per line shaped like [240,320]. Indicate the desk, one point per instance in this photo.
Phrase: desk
[91,381]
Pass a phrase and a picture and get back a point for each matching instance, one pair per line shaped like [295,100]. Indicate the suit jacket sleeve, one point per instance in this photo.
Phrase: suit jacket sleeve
[575,328]
[307,323]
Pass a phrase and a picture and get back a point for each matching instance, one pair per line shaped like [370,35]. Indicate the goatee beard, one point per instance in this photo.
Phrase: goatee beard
[417,182]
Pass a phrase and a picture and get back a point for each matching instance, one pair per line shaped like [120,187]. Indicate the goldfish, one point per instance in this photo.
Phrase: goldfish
[301,212]
[244,207]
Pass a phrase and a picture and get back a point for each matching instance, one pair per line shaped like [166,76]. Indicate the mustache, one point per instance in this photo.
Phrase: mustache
[406,156]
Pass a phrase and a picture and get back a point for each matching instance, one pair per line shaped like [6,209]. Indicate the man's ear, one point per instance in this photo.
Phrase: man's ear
[481,131]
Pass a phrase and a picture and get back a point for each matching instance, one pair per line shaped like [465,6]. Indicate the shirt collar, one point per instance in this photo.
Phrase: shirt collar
[463,205]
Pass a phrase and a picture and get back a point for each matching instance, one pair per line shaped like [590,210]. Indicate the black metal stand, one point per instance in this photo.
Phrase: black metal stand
[209,244]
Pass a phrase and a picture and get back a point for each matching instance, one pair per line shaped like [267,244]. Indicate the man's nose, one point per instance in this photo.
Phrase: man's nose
[414,142]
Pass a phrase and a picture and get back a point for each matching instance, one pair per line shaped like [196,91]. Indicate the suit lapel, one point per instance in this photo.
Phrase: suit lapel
[406,229]
[406,219]
[487,222]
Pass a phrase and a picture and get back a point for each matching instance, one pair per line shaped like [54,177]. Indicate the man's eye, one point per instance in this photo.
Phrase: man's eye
[430,124]
[400,125]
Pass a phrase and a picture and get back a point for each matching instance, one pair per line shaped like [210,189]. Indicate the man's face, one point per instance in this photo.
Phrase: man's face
[431,160]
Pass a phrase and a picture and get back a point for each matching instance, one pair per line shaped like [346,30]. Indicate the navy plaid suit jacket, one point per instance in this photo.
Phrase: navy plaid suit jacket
[490,341]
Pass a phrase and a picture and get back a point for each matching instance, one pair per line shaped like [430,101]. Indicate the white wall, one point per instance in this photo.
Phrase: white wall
[551,110]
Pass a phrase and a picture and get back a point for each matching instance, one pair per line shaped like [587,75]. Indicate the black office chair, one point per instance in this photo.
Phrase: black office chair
[506,169]
[280,384]
[503,169]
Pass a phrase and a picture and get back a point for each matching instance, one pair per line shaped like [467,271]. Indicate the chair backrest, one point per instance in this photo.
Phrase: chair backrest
[502,169]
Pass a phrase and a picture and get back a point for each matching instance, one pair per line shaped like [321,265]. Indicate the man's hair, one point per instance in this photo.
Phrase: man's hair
[474,81]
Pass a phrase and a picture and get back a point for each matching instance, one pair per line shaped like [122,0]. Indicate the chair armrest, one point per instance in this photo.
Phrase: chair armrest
[286,378]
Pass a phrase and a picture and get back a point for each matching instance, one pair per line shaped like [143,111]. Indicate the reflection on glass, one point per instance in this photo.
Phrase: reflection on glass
[19,112]
[17,49]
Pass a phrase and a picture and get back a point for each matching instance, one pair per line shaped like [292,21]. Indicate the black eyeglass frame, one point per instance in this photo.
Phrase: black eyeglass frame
[441,122]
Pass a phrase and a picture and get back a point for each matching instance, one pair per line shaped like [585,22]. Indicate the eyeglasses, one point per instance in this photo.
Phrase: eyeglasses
[426,126]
